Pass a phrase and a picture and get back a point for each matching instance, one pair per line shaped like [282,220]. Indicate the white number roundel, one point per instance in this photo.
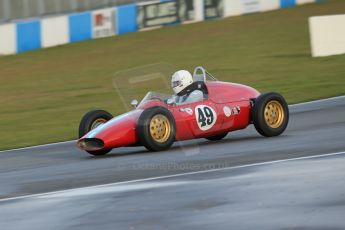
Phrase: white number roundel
[205,117]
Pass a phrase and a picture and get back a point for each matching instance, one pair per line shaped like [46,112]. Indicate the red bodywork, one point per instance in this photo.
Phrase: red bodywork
[121,130]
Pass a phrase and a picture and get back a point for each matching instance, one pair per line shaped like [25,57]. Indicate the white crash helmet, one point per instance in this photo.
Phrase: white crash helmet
[180,80]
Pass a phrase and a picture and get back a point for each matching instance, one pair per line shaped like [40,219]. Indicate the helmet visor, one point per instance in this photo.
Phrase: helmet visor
[176,83]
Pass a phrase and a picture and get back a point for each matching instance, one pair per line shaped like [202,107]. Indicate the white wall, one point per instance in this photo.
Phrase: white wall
[250,6]
[55,31]
[300,2]
[327,34]
[198,10]
[266,5]
[240,7]
[8,39]
[233,8]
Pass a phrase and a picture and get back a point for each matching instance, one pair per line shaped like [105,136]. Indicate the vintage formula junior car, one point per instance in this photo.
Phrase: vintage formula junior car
[157,121]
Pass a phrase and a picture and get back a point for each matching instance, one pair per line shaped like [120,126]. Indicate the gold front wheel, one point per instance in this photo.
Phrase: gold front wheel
[160,128]
[156,128]
[98,122]
[274,114]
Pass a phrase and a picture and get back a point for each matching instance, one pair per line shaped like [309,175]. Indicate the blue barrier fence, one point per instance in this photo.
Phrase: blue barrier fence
[29,35]
[80,27]
[126,19]
[287,3]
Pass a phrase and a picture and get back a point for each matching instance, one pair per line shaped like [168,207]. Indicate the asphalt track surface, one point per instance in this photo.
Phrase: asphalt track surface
[246,181]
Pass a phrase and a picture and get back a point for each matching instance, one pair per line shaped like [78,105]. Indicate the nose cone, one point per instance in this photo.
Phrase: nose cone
[117,132]
[91,144]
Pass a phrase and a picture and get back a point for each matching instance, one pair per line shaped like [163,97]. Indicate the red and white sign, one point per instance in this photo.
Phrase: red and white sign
[103,23]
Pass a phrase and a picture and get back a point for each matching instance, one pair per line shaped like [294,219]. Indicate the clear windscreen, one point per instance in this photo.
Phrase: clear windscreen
[144,83]
[149,82]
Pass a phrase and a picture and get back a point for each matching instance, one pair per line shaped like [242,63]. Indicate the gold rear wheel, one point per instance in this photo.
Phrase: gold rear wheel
[274,114]
[270,114]
[160,128]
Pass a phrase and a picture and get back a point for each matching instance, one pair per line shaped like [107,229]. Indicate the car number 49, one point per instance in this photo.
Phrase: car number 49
[205,116]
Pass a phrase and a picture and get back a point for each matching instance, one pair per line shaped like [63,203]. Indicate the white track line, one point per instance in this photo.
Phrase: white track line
[176,175]
[38,146]
[65,142]
[317,101]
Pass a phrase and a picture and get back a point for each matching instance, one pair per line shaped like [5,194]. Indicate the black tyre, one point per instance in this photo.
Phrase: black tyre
[92,120]
[217,137]
[156,129]
[270,114]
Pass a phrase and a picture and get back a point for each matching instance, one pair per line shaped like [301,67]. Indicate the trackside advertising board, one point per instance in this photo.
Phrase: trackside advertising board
[155,14]
[103,22]
[213,9]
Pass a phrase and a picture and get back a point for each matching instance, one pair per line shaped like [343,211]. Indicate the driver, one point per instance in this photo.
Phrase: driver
[180,80]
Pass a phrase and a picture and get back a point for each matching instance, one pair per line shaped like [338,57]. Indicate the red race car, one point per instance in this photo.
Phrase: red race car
[158,121]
